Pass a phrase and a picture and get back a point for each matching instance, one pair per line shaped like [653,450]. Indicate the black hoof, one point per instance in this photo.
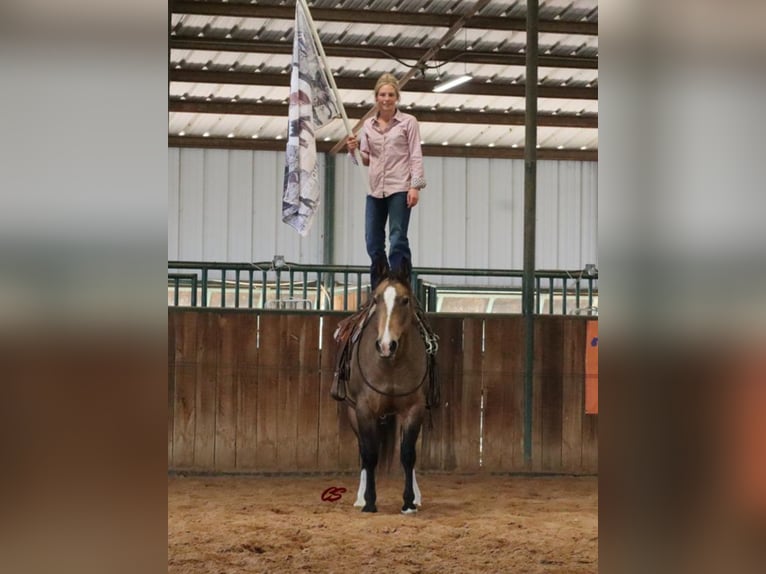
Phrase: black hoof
[369,508]
[409,509]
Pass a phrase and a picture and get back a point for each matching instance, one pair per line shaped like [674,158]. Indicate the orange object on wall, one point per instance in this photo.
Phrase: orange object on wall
[591,368]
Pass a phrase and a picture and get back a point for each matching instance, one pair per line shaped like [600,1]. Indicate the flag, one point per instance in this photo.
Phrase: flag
[312,105]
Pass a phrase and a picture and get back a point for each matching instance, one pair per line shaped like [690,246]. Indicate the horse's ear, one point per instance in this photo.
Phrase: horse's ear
[380,271]
[403,271]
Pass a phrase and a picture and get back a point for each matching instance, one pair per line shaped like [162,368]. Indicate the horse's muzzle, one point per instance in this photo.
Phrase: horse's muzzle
[386,351]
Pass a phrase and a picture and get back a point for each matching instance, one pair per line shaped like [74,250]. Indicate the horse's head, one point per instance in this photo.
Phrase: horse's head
[394,310]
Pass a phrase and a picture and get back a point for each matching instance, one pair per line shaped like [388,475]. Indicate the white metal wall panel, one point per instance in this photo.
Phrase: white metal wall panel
[589,214]
[454,191]
[477,202]
[350,197]
[241,206]
[226,206]
[191,210]
[427,223]
[547,216]
[174,206]
[569,220]
[215,205]
[501,210]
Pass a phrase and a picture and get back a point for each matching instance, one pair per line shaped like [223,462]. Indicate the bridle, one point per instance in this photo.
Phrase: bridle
[370,385]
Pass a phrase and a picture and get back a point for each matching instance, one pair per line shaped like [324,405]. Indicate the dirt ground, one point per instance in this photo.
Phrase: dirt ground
[467,523]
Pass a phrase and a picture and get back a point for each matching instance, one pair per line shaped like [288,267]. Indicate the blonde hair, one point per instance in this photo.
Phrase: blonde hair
[387,80]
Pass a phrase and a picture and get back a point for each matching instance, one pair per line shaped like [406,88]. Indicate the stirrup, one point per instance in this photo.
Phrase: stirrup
[338,388]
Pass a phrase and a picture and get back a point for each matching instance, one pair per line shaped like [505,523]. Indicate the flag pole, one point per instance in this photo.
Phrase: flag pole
[327,70]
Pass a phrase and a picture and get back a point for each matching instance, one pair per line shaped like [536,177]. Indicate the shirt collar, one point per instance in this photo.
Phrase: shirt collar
[398,116]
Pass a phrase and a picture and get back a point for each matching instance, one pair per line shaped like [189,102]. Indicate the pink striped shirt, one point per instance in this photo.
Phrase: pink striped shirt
[394,154]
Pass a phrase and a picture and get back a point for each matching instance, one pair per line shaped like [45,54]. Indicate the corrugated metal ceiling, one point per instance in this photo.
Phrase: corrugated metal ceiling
[229,71]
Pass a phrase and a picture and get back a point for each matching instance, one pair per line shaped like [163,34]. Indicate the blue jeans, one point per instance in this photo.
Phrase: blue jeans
[394,208]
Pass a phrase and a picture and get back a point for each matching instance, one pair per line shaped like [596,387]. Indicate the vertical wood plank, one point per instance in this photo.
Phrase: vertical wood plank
[591,367]
[184,415]
[438,444]
[551,346]
[269,329]
[208,350]
[307,328]
[288,371]
[537,402]
[171,380]
[227,392]
[246,361]
[590,444]
[572,397]
[469,397]
[328,440]
[348,445]
[503,396]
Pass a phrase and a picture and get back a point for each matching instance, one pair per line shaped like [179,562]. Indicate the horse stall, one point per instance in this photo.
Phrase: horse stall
[264,466]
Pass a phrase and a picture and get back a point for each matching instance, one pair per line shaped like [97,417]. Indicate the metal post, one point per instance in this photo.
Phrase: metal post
[530,214]
[328,241]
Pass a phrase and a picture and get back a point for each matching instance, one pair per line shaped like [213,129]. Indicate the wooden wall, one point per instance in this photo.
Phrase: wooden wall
[248,391]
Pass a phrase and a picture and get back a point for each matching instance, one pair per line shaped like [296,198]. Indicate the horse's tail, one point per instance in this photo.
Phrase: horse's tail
[388,434]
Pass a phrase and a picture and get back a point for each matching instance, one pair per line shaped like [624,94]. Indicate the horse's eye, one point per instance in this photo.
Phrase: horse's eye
[405,300]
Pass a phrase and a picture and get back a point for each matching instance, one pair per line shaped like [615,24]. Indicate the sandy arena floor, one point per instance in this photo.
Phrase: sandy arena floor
[468,523]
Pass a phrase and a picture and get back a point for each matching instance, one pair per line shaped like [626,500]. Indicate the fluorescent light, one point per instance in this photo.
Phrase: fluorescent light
[444,86]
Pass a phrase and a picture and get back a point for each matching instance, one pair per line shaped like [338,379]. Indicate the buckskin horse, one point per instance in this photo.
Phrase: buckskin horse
[386,388]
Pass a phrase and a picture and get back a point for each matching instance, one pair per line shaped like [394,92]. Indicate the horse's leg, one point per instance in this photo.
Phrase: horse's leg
[418,498]
[408,457]
[362,488]
[368,448]
[363,475]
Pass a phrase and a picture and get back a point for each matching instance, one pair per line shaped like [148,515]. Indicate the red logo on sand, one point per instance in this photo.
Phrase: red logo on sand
[333,494]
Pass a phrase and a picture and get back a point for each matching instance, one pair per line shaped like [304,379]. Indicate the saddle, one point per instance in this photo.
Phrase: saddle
[348,332]
[345,336]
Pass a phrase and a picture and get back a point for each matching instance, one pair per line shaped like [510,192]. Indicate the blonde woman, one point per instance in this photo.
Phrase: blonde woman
[389,143]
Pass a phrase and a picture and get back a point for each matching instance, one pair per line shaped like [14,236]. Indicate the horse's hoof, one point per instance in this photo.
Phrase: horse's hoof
[369,508]
[409,510]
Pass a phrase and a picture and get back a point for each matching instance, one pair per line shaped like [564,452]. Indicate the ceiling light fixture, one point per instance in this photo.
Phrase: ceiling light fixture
[449,84]
[466,77]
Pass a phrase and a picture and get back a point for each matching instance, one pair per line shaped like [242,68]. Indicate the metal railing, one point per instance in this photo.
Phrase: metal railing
[344,288]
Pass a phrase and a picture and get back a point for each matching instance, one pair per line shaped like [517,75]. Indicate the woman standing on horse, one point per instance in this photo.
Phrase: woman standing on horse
[389,144]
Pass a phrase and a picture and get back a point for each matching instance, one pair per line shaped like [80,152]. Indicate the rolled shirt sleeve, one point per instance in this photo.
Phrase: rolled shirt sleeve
[417,175]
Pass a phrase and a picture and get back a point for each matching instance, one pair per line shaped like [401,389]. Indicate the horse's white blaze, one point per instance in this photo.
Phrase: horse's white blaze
[389,295]
[362,488]
[418,499]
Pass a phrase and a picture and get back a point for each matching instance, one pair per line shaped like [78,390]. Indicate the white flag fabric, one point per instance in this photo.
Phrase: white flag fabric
[312,105]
